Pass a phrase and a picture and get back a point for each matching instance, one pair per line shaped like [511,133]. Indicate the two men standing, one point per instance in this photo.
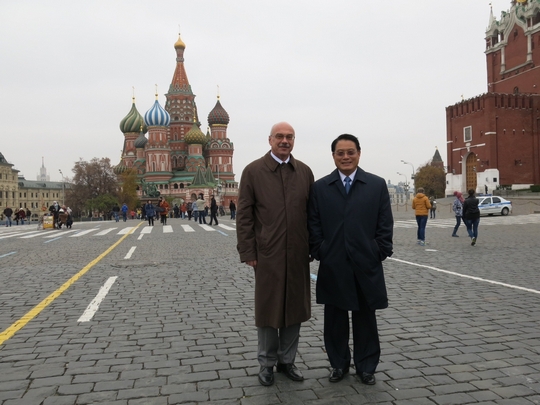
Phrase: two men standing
[350,231]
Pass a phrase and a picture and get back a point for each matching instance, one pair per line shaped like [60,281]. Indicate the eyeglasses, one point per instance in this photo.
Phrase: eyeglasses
[342,153]
[281,137]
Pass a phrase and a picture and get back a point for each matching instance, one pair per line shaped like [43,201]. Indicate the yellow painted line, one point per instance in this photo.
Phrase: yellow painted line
[21,323]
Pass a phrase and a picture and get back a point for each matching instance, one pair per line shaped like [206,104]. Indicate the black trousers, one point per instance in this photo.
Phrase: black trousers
[366,346]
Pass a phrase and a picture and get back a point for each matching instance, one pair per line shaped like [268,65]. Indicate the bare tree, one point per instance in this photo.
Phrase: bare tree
[91,180]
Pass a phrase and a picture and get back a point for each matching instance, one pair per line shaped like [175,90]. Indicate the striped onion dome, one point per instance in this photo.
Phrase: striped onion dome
[195,136]
[218,115]
[141,140]
[157,116]
[132,121]
[120,168]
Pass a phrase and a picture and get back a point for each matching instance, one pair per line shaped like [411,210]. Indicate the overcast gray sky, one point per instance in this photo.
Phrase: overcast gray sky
[381,70]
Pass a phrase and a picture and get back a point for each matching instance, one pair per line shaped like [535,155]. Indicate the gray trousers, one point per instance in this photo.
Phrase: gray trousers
[277,345]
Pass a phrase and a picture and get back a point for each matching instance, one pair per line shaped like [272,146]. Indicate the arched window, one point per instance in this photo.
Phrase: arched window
[175,186]
[181,185]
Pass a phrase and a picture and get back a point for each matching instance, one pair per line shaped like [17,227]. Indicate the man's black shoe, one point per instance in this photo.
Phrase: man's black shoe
[266,376]
[337,374]
[367,378]
[290,371]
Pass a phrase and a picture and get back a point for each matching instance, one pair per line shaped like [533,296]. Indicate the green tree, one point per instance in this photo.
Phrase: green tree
[91,179]
[432,179]
[102,203]
[128,192]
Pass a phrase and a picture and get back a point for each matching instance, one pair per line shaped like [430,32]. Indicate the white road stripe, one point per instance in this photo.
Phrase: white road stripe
[125,230]
[147,229]
[37,233]
[92,308]
[227,227]
[140,236]
[167,229]
[485,280]
[82,233]
[104,232]
[207,227]
[128,256]
[187,228]
[60,234]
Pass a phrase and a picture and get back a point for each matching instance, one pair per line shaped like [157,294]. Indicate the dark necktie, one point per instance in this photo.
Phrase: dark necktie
[347,184]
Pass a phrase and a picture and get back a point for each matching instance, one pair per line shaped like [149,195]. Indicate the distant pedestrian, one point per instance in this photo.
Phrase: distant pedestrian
[195,211]
[176,211]
[457,207]
[433,208]
[200,206]
[8,212]
[421,206]
[125,210]
[116,212]
[22,216]
[213,211]
[189,209]
[471,216]
[232,208]
[183,210]
[163,210]
[150,211]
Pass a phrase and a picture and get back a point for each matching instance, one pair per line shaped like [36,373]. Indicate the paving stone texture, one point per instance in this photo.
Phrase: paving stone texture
[177,325]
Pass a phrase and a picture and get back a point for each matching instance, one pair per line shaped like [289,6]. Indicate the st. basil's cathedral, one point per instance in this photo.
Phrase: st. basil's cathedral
[169,151]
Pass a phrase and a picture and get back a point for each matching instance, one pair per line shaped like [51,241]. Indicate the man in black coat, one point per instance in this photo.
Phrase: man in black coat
[350,224]
[213,210]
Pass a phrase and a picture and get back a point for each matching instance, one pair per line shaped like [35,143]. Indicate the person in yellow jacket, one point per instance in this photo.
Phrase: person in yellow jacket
[421,207]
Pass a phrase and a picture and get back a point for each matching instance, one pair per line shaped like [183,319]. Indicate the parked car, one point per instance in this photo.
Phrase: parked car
[494,205]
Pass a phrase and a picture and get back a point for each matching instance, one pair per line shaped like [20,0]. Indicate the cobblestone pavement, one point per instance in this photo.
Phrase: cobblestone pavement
[177,324]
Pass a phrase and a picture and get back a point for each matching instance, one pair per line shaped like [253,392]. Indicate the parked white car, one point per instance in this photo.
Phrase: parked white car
[494,205]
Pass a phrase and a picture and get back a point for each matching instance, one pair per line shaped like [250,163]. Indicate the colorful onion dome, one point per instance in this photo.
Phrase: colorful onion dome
[141,140]
[218,115]
[195,136]
[132,121]
[157,116]
[179,43]
[120,168]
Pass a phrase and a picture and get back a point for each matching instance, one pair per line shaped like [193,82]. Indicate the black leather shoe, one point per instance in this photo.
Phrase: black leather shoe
[290,371]
[367,378]
[266,376]
[337,374]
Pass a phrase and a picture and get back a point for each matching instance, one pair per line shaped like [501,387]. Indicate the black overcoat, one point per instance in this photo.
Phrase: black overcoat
[351,234]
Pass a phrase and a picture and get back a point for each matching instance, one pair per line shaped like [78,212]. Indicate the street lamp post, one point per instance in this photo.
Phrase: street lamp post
[63,188]
[406,186]
[413,172]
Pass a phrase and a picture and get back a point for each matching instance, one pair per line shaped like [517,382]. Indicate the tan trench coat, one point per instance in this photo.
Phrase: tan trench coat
[272,229]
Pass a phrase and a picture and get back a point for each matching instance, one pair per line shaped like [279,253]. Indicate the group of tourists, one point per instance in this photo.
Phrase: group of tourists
[19,214]
[61,215]
[464,209]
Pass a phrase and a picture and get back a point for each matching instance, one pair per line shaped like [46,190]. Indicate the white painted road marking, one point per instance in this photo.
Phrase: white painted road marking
[167,229]
[54,235]
[7,254]
[82,233]
[485,280]
[104,232]
[227,227]
[147,229]
[140,236]
[126,230]
[207,227]
[187,228]
[92,308]
[128,256]
[34,234]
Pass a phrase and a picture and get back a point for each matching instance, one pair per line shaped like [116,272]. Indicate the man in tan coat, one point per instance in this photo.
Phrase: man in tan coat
[273,239]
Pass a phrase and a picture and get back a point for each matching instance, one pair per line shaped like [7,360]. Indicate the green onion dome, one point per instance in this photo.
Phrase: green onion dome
[132,121]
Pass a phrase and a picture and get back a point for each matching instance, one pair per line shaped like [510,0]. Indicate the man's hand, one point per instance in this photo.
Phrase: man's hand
[252,263]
